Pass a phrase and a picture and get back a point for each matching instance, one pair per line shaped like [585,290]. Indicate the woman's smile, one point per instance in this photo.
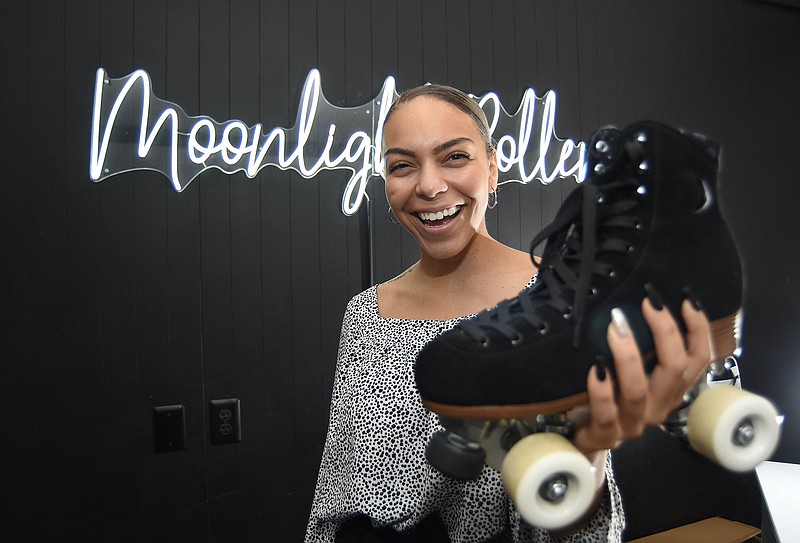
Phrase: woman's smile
[436,220]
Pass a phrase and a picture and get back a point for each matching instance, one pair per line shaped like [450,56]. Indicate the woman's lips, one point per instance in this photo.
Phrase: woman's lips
[439,218]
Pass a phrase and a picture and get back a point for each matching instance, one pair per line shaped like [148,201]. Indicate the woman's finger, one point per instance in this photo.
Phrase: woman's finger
[631,378]
[698,342]
[601,431]
[666,386]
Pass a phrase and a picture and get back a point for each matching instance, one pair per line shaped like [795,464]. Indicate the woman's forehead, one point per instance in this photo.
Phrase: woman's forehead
[429,103]
[435,116]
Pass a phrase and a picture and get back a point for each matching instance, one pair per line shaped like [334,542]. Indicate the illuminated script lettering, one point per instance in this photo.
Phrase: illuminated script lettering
[132,129]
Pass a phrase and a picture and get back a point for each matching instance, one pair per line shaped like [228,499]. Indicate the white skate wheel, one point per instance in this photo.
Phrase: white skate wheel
[549,480]
[734,428]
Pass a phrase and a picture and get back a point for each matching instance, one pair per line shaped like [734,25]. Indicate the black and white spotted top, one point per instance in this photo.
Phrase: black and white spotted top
[373,463]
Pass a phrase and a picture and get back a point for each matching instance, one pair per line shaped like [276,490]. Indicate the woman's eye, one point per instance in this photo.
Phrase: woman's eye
[397,167]
[458,156]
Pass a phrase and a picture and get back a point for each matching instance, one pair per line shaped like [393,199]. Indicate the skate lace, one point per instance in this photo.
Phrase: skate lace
[581,231]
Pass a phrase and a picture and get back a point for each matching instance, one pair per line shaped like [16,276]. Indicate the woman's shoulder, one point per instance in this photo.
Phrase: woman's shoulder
[364,302]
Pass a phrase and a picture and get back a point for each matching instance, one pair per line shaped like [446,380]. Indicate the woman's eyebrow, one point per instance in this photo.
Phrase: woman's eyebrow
[451,143]
[399,151]
[436,150]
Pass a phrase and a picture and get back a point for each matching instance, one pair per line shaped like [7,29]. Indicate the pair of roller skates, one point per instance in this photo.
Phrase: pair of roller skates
[509,385]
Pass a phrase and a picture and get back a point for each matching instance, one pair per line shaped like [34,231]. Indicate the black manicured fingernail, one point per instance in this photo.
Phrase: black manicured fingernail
[652,295]
[692,298]
[600,369]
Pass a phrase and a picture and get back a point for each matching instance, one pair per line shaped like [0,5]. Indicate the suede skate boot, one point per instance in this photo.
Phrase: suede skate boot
[645,220]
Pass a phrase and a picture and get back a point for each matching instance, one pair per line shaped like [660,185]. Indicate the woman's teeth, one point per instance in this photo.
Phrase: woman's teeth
[438,215]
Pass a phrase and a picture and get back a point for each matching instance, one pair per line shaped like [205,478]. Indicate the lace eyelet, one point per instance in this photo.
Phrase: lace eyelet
[543,328]
[568,313]
[637,225]
[641,190]
[611,273]
[485,342]
[641,137]
[593,292]
[601,146]
[517,340]
[644,166]
[599,167]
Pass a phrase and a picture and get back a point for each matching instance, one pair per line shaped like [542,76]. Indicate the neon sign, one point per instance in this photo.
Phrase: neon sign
[132,129]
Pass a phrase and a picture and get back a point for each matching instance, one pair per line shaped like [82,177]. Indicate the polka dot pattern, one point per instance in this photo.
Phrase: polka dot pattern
[373,463]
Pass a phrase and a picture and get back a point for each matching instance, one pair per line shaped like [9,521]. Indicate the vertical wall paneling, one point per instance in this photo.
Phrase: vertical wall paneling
[152,286]
[599,87]
[547,62]
[175,484]
[505,83]
[244,483]
[410,69]
[124,295]
[46,224]
[434,42]
[277,107]
[118,246]
[334,30]
[760,196]
[568,111]
[216,256]
[386,238]
[360,88]
[304,218]
[457,45]
[526,68]
[589,51]
[618,32]
[17,237]
[52,420]
[215,211]
[481,55]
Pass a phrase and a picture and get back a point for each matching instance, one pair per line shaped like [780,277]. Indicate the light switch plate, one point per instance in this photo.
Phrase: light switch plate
[169,428]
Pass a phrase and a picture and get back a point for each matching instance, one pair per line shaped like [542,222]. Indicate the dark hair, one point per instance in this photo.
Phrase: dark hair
[456,98]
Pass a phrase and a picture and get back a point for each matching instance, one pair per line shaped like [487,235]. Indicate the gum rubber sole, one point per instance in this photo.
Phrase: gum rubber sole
[723,334]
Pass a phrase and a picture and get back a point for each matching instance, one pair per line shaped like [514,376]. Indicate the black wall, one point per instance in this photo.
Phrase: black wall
[124,295]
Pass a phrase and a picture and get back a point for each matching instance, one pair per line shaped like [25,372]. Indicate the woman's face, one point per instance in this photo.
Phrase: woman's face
[438,175]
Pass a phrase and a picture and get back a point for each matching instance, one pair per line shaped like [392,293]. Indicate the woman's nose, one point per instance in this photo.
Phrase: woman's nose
[430,183]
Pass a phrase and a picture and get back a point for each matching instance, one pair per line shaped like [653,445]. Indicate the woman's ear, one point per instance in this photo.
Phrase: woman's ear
[493,171]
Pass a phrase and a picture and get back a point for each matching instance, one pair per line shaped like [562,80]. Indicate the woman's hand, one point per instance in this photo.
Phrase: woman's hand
[642,401]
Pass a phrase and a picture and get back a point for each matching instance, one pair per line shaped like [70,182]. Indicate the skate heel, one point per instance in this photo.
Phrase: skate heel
[725,333]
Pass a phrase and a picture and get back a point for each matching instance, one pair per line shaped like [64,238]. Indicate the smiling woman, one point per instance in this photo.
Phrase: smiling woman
[374,482]
[440,171]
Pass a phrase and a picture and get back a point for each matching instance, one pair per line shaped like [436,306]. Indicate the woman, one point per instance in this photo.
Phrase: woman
[374,482]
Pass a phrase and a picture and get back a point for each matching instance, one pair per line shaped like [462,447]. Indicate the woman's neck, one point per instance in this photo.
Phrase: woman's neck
[472,261]
[480,276]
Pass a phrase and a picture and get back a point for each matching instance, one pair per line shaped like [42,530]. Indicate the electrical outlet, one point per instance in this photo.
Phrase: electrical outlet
[224,421]
[169,428]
